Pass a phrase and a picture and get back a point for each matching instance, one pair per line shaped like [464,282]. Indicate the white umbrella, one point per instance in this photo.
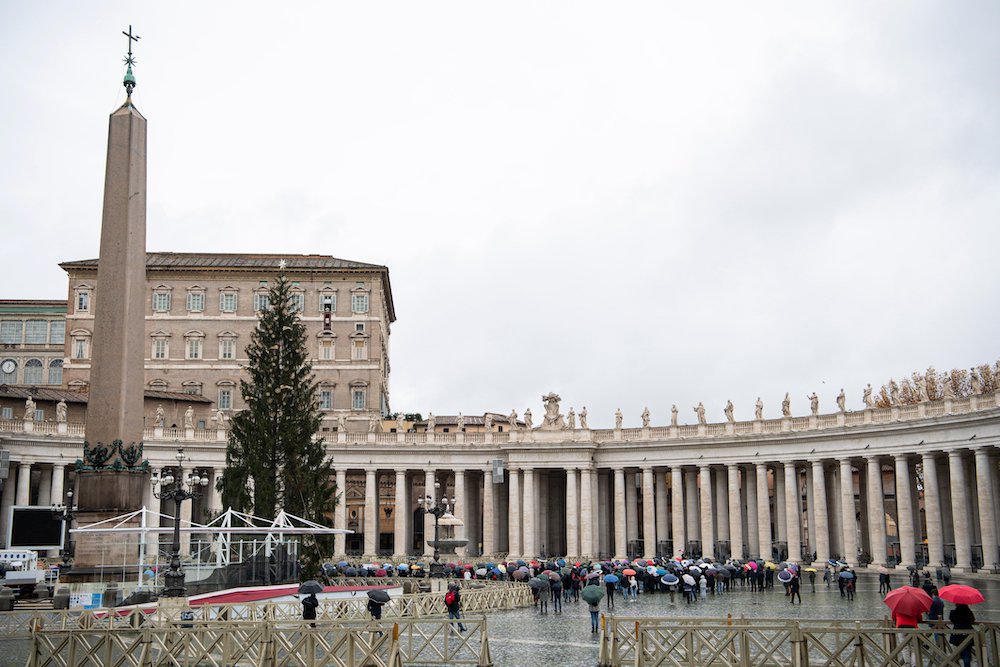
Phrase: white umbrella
[689,580]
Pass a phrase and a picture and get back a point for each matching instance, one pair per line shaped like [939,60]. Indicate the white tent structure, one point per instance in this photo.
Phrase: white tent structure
[223,527]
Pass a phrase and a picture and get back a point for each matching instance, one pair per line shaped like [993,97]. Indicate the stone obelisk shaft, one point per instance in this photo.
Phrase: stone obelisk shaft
[115,407]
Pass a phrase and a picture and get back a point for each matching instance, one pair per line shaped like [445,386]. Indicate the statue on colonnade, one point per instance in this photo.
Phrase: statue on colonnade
[729,412]
[29,410]
[867,397]
[553,418]
[527,419]
[786,406]
[842,401]
[700,411]
[673,415]
[645,418]
[758,409]
[571,420]
[583,417]
[618,419]
[814,403]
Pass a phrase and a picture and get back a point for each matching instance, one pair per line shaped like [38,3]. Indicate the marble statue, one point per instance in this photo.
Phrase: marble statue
[431,422]
[583,418]
[220,417]
[893,394]
[618,419]
[921,389]
[700,411]
[400,423]
[553,419]
[512,420]
[488,422]
[61,412]
[571,420]
[372,423]
[842,401]
[729,412]
[189,417]
[814,403]
[673,415]
[159,417]
[758,409]
[29,410]
[341,423]
[527,419]
[786,406]
[975,384]
[949,388]
[645,418]
[866,396]
[460,422]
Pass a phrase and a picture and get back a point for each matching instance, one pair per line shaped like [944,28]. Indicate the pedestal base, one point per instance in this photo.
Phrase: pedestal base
[105,494]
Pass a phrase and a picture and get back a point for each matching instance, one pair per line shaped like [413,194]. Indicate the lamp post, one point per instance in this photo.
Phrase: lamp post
[174,486]
[439,509]
[66,513]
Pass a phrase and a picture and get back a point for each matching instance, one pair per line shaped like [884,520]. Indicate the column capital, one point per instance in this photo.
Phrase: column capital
[400,471]
[760,465]
[984,449]
[902,456]
[956,453]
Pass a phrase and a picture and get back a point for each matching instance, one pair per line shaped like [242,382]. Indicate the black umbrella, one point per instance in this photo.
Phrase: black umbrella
[311,586]
[378,596]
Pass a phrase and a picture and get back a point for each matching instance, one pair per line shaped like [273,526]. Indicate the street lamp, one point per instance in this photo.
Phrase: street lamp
[66,513]
[439,509]
[174,486]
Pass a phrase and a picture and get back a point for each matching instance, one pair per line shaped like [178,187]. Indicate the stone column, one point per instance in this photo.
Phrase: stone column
[792,513]
[707,527]
[460,510]
[44,487]
[59,484]
[932,511]
[514,514]
[595,510]
[960,511]
[214,496]
[340,514]
[586,513]
[528,515]
[631,510]
[763,512]
[721,487]
[23,496]
[648,514]
[185,521]
[753,534]
[847,512]
[780,520]
[821,528]
[735,512]
[489,514]
[692,517]
[572,515]
[987,514]
[662,511]
[371,513]
[876,510]
[904,511]
[428,517]
[677,513]
[401,513]
[152,504]
[619,519]
[6,501]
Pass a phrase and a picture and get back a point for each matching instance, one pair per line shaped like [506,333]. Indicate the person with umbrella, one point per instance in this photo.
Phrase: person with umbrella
[592,595]
[310,603]
[793,588]
[908,605]
[961,616]
[377,598]
[557,592]
[453,601]
[609,583]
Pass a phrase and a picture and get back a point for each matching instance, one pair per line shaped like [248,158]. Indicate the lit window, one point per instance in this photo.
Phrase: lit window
[11,332]
[33,371]
[328,303]
[82,301]
[227,302]
[261,302]
[36,332]
[160,348]
[358,399]
[193,348]
[325,399]
[161,301]
[359,303]
[297,302]
[196,301]
[8,371]
[55,371]
[57,332]
[225,398]
[359,350]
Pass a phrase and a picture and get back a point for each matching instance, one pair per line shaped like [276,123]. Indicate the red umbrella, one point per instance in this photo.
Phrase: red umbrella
[629,572]
[961,594]
[908,601]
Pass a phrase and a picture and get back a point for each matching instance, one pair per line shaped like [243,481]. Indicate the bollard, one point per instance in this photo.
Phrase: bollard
[61,599]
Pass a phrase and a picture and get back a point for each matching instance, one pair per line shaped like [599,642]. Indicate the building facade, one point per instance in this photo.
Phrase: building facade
[32,342]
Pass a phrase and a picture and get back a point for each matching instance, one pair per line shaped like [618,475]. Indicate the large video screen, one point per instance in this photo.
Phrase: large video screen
[34,528]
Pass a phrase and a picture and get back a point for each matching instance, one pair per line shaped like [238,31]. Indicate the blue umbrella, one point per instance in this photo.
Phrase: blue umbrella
[610,579]
[670,580]
[402,567]
[660,572]
[846,575]
[785,576]
[343,563]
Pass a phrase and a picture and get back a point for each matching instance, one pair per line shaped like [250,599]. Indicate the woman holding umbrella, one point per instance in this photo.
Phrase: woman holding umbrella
[907,604]
[961,616]
[592,595]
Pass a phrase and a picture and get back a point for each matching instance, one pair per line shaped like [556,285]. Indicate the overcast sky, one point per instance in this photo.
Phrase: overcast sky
[629,204]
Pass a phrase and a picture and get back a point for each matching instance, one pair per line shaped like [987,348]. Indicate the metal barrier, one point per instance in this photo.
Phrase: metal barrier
[650,642]
[269,644]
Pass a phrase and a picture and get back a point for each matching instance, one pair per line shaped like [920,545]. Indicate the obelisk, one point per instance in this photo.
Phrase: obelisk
[112,472]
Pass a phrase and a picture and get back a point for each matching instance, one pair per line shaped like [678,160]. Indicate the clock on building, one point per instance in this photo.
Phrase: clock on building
[8,366]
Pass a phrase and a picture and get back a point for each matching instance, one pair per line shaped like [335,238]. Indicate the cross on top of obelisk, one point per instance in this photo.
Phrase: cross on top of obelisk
[129,81]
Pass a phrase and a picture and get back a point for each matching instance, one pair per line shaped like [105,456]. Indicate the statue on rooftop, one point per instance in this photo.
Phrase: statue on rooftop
[645,418]
[553,418]
[571,420]
[61,412]
[814,403]
[189,417]
[527,419]
[29,410]
[512,420]
[158,422]
[786,406]
[842,401]
[618,419]
[583,418]
[758,409]
[729,412]
[700,411]
[673,415]
[866,397]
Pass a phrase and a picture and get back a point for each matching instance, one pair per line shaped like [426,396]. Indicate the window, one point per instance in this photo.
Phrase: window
[196,301]
[160,348]
[225,398]
[81,348]
[227,301]
[357,399]
[297,301]
[39,415]
[326,349]
[7,413]
[359,327]
[359,350]
[10,332]
[192,388]
[359,303]
[161,301]
[36,332]
[261,301]
[227,348]
[158,385]
[55,371]
[328,303]
[193,348]
[325,399]
[82,300]
[33,371]
[57,332]
[8,371]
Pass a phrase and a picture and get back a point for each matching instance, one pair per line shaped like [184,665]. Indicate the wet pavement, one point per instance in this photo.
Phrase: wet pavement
[526,638]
